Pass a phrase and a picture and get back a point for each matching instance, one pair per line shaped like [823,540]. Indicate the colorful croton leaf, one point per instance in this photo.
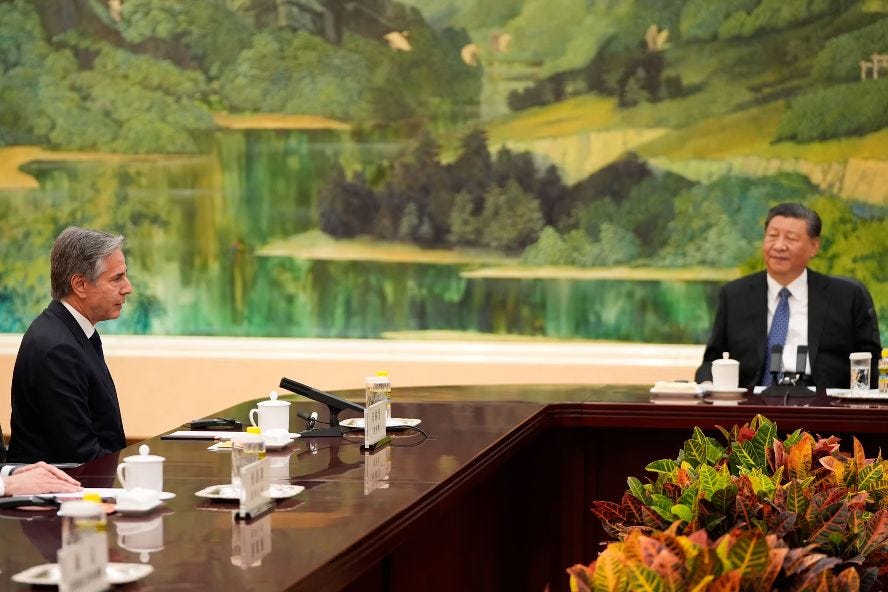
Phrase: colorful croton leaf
[825,507]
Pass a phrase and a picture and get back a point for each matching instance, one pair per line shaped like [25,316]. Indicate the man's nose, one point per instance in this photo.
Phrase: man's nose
[127,288]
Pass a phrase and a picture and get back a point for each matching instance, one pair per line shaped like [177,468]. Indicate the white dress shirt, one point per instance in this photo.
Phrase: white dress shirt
[84,323]
[798,319]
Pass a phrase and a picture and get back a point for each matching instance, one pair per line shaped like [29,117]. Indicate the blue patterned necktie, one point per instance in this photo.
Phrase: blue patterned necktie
[777,334]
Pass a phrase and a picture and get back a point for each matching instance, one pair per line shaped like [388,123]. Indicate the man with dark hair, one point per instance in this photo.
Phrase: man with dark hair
[791,306]
[64,404]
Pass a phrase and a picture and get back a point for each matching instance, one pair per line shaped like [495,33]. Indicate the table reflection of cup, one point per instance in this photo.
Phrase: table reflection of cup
[279,468]
[860,371]
[141,536]
[142,471]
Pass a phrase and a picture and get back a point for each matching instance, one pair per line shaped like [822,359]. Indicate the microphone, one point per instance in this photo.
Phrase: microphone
[802,360]
[312,419]
[776,364]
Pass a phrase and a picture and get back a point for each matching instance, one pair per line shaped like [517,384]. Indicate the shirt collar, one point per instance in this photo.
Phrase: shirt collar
[795,287]
[88,328]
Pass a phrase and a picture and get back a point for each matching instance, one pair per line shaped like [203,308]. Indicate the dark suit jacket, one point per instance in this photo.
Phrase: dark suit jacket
[841,320]
[64,404]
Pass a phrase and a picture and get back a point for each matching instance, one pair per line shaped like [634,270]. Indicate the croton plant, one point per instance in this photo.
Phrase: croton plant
[757,513]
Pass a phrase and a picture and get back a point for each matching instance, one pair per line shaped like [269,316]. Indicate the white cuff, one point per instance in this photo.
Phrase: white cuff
[2,486]
[7,470]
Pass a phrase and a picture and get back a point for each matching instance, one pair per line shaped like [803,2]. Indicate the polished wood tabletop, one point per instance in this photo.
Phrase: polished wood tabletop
[494,494]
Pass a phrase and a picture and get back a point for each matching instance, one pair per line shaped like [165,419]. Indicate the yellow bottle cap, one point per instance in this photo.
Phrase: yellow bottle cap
[253,430]
[92,496]
[382,373]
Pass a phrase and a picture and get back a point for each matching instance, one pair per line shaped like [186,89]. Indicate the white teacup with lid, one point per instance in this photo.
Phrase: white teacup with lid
[725,373]
[271,414]
[142,471]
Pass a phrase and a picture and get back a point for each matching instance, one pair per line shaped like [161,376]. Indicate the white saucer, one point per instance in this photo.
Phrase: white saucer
[227,492]
[392,423]
[711,389]
[671,399]
[689,394]
[49,574]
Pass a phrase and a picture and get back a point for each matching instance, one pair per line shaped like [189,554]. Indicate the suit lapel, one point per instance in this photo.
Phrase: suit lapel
[818,303]
[758,317]
[59,310]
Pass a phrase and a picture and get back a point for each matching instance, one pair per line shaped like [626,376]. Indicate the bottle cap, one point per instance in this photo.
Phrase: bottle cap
[253,430]
[92,496]
[382,373]
[885,352]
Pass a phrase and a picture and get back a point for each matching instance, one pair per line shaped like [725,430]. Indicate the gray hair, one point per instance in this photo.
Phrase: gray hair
[797,210]
[79,251]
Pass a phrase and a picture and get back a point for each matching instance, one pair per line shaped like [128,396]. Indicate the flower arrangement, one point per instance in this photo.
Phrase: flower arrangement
[758,513]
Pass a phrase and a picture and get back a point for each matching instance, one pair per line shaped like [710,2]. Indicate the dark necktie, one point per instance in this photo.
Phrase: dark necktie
[97,344]
[777,334]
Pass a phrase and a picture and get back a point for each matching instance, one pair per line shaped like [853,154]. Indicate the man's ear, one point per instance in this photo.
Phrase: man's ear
[78,285]
[816,246]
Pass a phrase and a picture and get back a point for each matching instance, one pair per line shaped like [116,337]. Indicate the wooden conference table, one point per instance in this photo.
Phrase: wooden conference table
[495,498]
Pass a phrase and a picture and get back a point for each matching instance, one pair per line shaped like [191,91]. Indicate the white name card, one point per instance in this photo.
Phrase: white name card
[377,467]
[82,564]
[255,483]
[374,423]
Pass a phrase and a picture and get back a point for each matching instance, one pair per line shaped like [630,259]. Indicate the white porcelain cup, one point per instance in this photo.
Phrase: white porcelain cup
[725,373]
[271,414]
[142,470]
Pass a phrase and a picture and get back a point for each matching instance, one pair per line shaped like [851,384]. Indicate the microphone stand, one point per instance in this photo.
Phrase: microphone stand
[787,385]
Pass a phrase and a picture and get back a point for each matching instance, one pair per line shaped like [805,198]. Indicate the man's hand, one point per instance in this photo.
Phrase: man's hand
[39,478]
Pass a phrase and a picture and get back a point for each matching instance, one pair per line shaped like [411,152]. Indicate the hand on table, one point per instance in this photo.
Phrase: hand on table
[40,478]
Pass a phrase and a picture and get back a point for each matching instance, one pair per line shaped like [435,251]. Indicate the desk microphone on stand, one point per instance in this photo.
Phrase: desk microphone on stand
[788,384]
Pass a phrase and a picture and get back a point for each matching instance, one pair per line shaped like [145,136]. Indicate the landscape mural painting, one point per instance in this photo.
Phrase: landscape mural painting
[431,169]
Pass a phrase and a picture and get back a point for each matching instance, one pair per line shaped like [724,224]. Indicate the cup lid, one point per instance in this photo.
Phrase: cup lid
[144,456]
[725,360]
[861,356]
[273,403]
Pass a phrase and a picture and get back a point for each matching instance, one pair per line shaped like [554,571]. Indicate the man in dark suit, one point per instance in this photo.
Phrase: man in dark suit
[64,404]
[832,316]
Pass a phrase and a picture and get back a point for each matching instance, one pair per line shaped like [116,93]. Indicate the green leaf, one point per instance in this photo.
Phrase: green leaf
[642,579]
[661,501]
[869,476]
[637,489]
[832,530]
[723,498]
[682,511]
[709,481]
[761,483]
[762,440]
[609,573]
[742,454]
[665,513]
[750,555]
[796,499]
[875,533]
[662,466]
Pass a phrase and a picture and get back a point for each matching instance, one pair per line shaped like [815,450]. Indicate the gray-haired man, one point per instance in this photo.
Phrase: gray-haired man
[64,404]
